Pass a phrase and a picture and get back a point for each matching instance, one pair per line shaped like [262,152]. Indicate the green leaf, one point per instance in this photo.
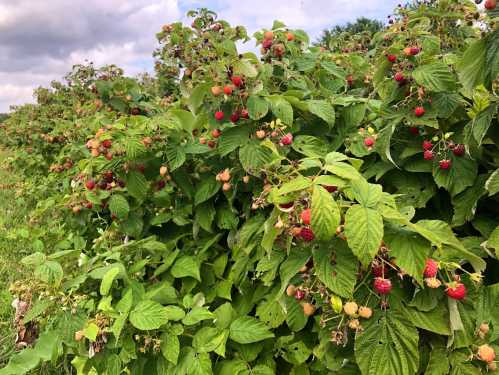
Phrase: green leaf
[176,156]
[436,320]
[210,339]
[322,109]
[148,315]
[186,266]
[91,331]
[295,318]
[257,107]
[196,315]
[245,68]
[185,119]
[438,363]
[368,195]
[310,146]
[247,330]
[409,250]
[231,139]
[492,184]
[137,185]
[342,170]
[471,66]
[197,96]
[170,347]
[281,109]
[118,205]
[253,157]
[435,77]
[107,280]
[458,177]
[49,272]
[37,309]
[364,232]
[465,203]
[174,312]
[297,258]
[388,345]
[208,187]
[325,214]
[271,313]
[296,184]
[336,267]
[34,259]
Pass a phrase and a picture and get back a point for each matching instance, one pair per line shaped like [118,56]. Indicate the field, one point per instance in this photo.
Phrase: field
[317,208]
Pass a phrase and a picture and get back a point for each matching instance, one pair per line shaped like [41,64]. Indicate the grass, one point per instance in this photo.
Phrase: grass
[13,217]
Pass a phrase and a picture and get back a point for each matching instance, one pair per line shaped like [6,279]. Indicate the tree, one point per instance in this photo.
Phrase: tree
[362,25]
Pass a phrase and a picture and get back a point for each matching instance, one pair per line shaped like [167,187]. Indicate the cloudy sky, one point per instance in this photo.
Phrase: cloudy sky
[41,39]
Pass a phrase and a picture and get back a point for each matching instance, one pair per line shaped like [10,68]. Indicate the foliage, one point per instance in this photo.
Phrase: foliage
[180,240]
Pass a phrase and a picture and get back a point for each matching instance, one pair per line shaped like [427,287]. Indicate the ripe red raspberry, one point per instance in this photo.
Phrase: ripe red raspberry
[227,90]
[89,205]
[419,111]
[107,143]
[391,58]
[219,115]
[212,143]
[299,294]
[399,76]
[330,188]
[456,290]
[245,113]
[369,141]
[234,117]
[490,4]
[90,184]
[445,164]
[431,268]
[287,139]
[382,286]
[305,216]
[459,150]
[428,155]
[415,51]
[267,43]
[427,145]
[237,81]
[307,234]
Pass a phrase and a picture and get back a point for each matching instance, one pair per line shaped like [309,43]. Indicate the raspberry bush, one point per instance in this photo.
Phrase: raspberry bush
[310,210]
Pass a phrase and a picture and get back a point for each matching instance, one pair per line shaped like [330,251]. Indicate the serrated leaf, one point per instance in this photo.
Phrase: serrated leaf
[435,77]
[325,214]
[107,280]
[49,272]
[368,195]
[310,146]
[296,184]
[118,205]
[231,139]
[409,250]
[388,345]
[492,183]
[247,330]
[137,185]
[208,187]
[186,266]
[364,232]
[253,157]
[196,315]
[148,315]
[245,68]
[458,177]
[282,109]
[322,109]
[257,107]
[336,267]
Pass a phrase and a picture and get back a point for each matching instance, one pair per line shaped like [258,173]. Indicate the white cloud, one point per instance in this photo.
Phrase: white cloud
[41,40]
